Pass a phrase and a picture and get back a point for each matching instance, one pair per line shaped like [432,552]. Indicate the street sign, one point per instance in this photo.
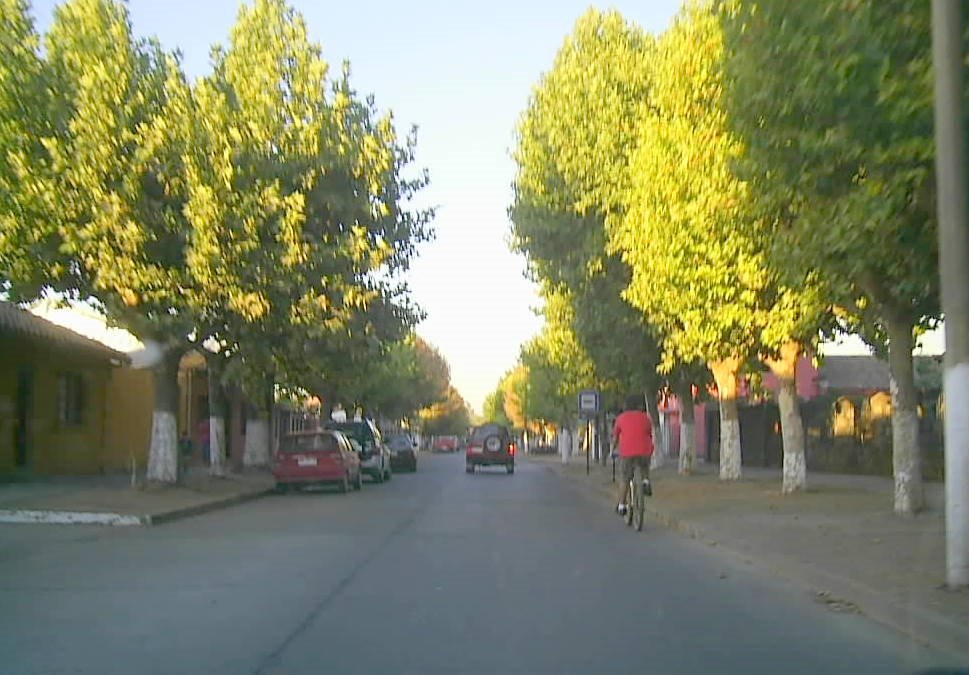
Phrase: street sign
[589,402]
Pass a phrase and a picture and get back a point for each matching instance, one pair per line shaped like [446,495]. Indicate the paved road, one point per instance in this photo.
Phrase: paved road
[438,572]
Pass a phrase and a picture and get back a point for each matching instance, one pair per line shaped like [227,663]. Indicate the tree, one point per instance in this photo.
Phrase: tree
[494,408]
[297,202]
[697,245]
[97,215]
[28,239]
[845,161]
[574,141]
[450,417]
[410,375]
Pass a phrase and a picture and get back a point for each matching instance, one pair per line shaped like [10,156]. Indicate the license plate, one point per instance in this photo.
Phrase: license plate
[306,461]
[476,451]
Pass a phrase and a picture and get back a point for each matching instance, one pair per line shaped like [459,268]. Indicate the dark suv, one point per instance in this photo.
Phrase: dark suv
[490,445]
[374,455]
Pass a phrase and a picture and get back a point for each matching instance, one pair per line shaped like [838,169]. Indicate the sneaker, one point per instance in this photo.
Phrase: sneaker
[621,509]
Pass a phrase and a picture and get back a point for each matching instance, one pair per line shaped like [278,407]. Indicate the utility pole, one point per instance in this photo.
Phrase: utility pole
[947,58]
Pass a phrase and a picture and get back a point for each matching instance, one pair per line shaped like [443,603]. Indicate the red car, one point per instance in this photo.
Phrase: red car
[444,444]
[315,458]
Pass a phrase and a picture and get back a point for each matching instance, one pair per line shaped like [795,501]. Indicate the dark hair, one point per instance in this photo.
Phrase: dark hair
[635,402]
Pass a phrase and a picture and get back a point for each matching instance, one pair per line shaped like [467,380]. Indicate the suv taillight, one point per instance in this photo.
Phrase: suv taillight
[511,448]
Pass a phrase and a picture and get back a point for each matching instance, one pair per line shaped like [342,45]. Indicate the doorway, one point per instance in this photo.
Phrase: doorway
[24,413]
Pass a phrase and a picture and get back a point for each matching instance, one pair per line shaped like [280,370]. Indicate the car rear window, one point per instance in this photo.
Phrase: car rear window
[482,432]
[400,442]
[309,443]
[358,430]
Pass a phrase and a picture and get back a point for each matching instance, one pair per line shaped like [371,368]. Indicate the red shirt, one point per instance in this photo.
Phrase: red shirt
[635,433]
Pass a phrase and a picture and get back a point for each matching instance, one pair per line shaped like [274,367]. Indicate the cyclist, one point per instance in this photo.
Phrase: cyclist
[633,432]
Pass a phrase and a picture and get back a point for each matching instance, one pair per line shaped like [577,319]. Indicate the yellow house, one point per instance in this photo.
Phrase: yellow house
[55,413]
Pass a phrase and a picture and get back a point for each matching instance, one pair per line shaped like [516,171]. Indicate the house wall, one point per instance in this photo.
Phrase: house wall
[54,446]
[130,397]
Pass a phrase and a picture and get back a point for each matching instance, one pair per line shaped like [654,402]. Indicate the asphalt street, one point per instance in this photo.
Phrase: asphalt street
[433,572]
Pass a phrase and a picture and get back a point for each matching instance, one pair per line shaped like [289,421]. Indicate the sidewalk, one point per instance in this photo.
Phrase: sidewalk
[840,539]
[111,500]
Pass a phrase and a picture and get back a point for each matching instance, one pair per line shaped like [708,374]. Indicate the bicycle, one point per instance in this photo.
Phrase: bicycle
[636,501]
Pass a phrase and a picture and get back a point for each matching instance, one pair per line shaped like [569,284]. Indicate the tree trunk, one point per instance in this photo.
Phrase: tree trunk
[163,451]
[906,457]
[725,374]
[684,392]
[659,448]
[256,451]
[217,415]
[792,428]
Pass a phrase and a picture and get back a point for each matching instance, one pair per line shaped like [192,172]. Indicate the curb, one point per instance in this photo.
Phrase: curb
[53,517]
[189,511]
[921,625]
[40,517]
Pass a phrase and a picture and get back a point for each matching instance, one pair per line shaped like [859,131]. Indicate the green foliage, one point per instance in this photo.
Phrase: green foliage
[265,207]
[494,408]
[450,417]
[573,151]
[408,376]
[844,160]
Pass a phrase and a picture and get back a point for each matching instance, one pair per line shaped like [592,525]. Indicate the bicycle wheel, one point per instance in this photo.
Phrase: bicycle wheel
[639,507]
[630,494]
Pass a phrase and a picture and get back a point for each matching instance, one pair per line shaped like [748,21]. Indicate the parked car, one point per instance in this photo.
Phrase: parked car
[317,457]
[403,451]
[491,445]
[375,455]
[444,444]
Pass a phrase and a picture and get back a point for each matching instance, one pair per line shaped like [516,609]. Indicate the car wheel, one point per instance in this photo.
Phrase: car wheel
[390,474]
[378,477]
[358,483]
[280,488]
[510,468]
[344,485]
[469,468]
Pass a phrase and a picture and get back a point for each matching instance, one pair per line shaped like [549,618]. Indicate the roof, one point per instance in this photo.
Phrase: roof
[21,323]
[867,373]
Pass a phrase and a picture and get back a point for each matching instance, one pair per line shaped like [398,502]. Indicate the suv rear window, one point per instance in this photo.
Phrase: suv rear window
[482,432]
[309,443]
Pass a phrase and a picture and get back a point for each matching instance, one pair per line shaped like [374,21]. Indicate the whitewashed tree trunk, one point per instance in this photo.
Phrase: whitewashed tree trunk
[217,446]
[659,448]
[163,451]
[565,444]
[725,373]
[906,456]
[792,427]
[792,431]
[256,451]
[684,392]
[217,412]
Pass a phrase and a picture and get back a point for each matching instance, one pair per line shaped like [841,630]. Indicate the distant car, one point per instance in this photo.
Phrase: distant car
[403,451]
[543,449]
[491,445]
[317,457]
[375,456]
[444,444]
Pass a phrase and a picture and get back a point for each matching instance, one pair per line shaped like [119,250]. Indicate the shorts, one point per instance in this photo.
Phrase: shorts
[627,467]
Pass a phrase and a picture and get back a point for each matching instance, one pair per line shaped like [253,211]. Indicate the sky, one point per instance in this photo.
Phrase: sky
[462,72]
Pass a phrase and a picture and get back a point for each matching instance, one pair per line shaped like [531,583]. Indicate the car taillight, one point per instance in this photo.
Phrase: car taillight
[511,448]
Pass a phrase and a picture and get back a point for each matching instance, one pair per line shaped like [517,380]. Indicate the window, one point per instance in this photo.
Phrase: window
[70,399]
